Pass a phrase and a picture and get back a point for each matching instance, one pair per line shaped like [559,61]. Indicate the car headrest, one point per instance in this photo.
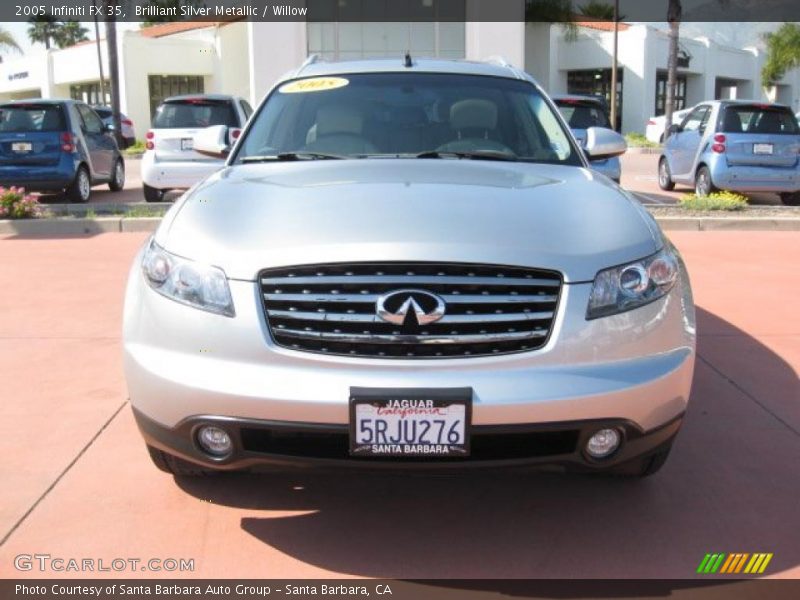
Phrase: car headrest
[770,122]
[339,119]
[732,122]
[473,114]
[51,120]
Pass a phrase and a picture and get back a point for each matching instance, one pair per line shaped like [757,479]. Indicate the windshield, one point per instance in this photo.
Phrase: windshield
[408,114]
[582,115]
[194,113]
[32,117]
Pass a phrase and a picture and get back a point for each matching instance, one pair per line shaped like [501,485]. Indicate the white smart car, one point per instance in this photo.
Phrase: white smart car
[170,161]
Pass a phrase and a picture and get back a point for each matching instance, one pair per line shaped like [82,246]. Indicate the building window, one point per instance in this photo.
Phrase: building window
[661,93]
[164,86]
[343,41]
[356,29]
[597,82]
[90,93]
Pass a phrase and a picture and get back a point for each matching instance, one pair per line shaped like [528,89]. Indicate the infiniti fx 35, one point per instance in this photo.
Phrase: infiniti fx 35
[408,264]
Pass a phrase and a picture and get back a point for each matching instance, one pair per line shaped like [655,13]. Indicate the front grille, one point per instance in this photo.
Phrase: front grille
[484,444]
[331,308]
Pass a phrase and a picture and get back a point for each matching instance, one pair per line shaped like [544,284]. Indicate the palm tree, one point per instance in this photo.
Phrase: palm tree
[674,13]
[7,42]
[70,33]
[43,30]
[553,11]
[783,53]
[599,10]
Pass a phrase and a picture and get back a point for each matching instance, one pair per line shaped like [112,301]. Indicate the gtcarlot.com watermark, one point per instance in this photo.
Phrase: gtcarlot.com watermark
[58,564]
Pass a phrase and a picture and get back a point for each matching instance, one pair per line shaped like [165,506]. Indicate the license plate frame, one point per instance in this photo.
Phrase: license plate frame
[409,406]
[21,147]
[187,144]
[764,149]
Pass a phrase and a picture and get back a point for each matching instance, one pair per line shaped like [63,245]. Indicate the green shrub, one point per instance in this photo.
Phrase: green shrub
[637,140]
[715,201]
[16,204]
[136,148]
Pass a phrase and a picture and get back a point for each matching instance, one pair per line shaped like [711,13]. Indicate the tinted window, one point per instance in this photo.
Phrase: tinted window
[582,115]
[696,119]
[194,113]
[248,110]
[32,117]
[91,121]
[403,114]
[103,113]
[759,119]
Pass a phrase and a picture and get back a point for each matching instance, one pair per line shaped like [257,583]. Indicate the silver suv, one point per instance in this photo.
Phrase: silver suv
[408,264]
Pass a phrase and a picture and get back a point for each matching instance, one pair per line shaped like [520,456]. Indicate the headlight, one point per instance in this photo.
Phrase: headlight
[635,284]
[202,286]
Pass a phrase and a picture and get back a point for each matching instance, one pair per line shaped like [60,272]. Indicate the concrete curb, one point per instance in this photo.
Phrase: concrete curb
[59,227]
[638,150]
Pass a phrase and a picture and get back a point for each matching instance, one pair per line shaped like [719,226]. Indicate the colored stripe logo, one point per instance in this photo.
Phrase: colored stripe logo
[731,564]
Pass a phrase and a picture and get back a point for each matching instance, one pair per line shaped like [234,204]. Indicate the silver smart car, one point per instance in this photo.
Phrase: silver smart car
[734,145]
[408,264]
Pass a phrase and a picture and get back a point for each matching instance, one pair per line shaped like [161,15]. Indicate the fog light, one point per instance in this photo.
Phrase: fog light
[603,443]
[214,440]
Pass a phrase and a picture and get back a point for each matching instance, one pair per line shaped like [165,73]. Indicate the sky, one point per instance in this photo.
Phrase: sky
[20,32]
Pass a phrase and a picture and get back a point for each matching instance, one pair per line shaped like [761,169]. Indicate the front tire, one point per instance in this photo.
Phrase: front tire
[703,186]
[177,466]
[152,194]
[791,198]
[664,176]
[118,177]
[80,190]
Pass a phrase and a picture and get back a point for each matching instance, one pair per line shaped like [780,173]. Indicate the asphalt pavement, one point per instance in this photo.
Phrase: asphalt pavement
[77,481]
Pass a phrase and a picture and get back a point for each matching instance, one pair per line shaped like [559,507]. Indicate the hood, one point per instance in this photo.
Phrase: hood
[250,217]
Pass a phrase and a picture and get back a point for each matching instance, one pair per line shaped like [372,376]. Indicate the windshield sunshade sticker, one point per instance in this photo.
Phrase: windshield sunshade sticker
[315,84]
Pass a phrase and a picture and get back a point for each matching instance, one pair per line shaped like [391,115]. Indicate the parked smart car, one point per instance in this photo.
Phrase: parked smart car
[656,126]
[169,161]
[734,145]
[128,132]
[408,263]
[56,146]
[581,113]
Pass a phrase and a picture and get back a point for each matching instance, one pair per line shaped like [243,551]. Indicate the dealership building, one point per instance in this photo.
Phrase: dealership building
[245,58]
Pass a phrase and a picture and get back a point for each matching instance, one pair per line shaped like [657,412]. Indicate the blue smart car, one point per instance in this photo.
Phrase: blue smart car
[582,112]
[734,145]
[56,146]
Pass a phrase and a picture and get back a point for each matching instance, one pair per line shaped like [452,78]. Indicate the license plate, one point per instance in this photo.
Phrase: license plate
[21,146]
[187,143]
[762,148]
[415,422]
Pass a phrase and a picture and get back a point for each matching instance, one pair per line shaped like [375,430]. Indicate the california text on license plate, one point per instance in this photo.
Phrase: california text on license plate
[410,422]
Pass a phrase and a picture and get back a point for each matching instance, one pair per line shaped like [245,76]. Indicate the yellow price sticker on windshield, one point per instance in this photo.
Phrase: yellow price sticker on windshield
[315,84]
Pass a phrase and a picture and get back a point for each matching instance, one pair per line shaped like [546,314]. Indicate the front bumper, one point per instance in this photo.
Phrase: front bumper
[282,444]
[633,370]
[178,174]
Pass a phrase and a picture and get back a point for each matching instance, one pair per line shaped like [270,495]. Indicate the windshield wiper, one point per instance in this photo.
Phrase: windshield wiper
[477,155]
[289,156]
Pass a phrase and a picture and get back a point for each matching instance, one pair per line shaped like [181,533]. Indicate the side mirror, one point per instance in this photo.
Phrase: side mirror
[602,143]
[213,142]
[674,128]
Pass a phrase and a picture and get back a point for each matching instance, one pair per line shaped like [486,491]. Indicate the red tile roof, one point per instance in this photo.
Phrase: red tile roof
[164,29]
[602,25]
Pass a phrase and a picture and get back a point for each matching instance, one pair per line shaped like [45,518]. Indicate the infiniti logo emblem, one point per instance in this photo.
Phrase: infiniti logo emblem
[411,308]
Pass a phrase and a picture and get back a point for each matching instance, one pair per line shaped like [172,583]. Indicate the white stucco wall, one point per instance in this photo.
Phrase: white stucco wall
[274,48]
